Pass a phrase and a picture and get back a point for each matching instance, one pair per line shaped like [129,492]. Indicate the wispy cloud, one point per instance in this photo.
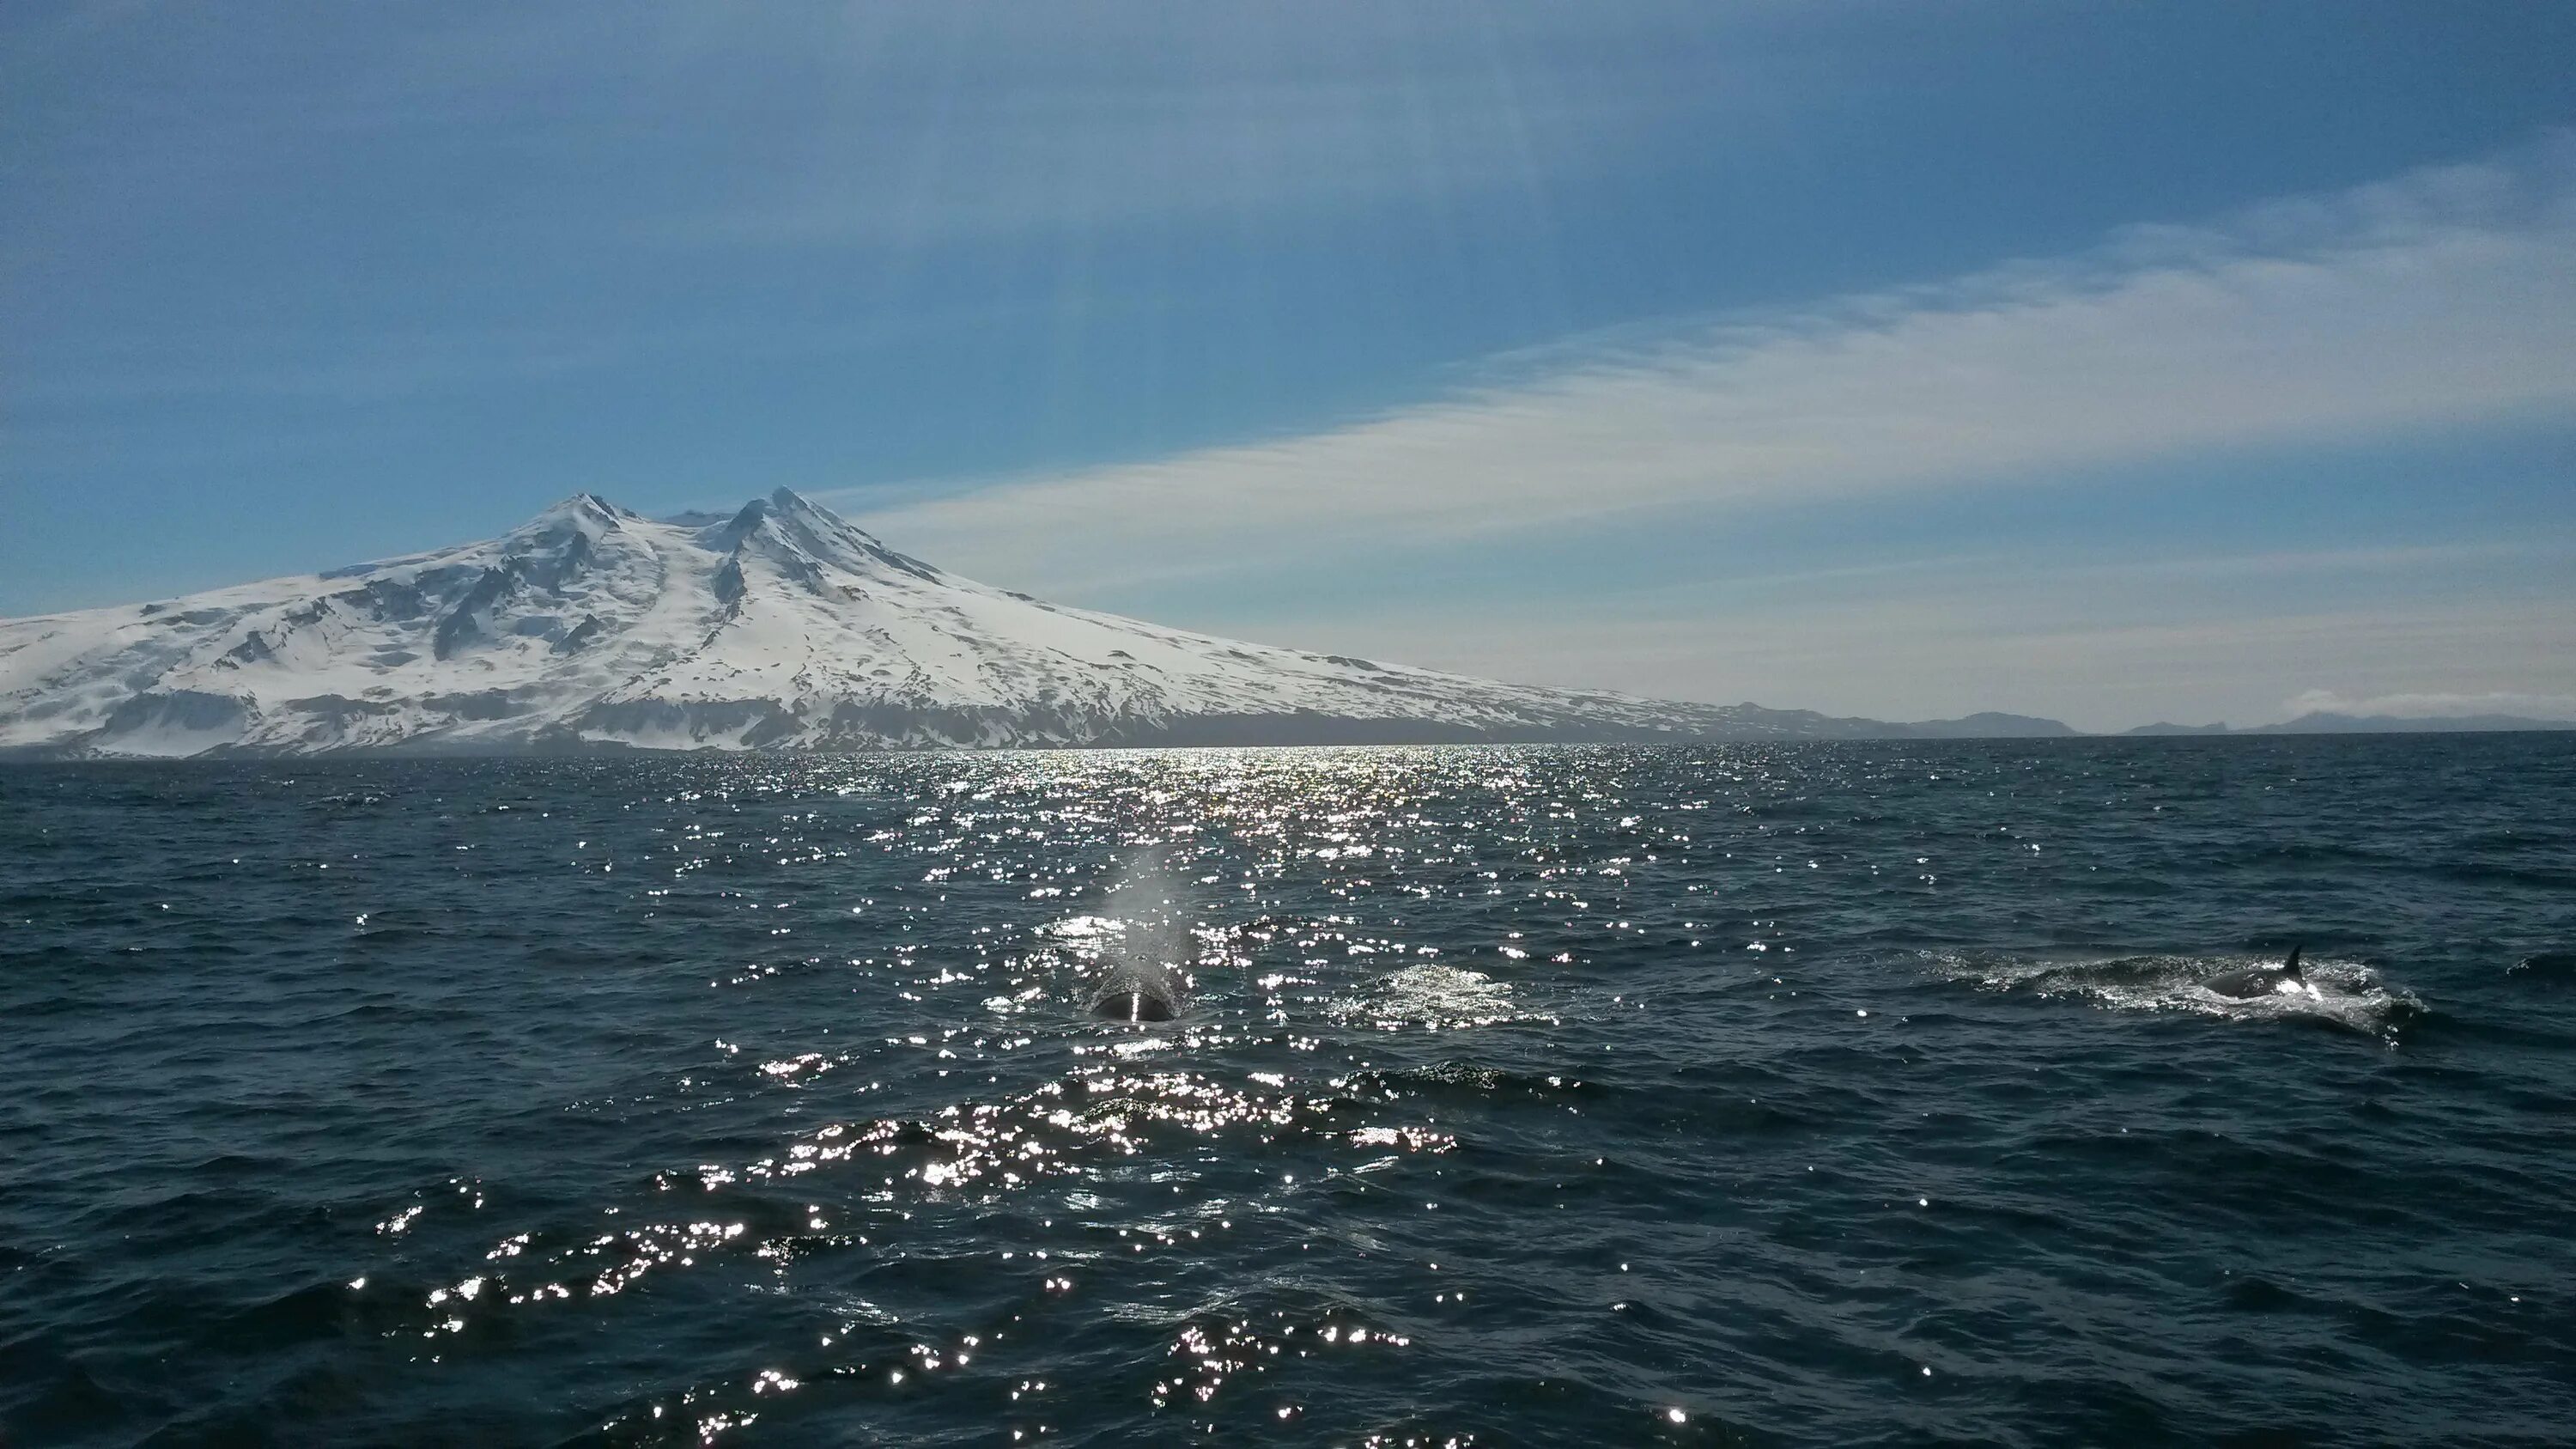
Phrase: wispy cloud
[2434,298]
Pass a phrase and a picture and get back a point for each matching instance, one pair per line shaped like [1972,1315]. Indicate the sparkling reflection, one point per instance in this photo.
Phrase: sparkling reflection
[1560,1080]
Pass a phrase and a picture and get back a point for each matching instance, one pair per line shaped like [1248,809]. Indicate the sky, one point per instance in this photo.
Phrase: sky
[2191,361]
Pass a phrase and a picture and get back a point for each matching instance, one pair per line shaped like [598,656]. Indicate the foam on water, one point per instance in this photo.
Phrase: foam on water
[2348,994]
[1433,998]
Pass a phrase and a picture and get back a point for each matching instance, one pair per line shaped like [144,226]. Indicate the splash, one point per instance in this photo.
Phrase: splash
[1434,998]
[2347,994]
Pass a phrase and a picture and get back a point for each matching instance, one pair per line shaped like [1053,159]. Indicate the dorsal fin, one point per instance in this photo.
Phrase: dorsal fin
[2290,968]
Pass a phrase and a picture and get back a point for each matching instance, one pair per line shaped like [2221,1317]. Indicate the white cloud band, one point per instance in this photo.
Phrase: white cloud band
[2437,297]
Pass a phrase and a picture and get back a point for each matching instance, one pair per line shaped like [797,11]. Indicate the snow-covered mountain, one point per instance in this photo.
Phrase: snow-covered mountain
[781,627]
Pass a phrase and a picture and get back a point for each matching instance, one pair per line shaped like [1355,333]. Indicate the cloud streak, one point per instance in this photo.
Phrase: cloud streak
[2435,298]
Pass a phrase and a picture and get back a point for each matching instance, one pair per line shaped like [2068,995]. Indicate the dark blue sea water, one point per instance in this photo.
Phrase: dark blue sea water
[1834,1094]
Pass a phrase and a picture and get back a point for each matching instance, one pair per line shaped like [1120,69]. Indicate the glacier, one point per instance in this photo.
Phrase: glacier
[779,627]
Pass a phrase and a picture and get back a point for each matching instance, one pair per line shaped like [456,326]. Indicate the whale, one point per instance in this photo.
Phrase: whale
[1137,991]
[2259,981]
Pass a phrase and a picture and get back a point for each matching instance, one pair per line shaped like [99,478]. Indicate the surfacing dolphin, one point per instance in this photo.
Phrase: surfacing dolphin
[1134,991]
[2259,981]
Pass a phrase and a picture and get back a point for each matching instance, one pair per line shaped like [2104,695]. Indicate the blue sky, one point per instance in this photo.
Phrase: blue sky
[2182,361]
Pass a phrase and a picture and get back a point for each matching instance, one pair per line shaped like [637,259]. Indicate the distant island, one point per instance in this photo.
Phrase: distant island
[779,626]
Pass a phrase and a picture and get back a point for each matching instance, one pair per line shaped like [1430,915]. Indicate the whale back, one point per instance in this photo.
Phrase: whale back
[1137,991]
[1132,1006]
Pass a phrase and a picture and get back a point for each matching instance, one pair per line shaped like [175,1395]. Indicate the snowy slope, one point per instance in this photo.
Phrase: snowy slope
[782,627]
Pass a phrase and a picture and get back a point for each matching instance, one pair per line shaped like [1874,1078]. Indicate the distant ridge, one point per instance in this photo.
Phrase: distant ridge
[778,626]
[2376,724]
[2382,724]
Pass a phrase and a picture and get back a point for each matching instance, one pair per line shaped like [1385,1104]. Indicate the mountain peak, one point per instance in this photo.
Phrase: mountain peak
[788,504]
[569,528]
[580,508]
[807,534]
[780,503]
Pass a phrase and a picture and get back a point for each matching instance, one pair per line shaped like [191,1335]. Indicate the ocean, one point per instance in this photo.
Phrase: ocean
[1729,1094]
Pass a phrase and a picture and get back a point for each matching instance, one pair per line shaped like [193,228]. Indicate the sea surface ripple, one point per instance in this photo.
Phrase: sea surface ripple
[1794,1094]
